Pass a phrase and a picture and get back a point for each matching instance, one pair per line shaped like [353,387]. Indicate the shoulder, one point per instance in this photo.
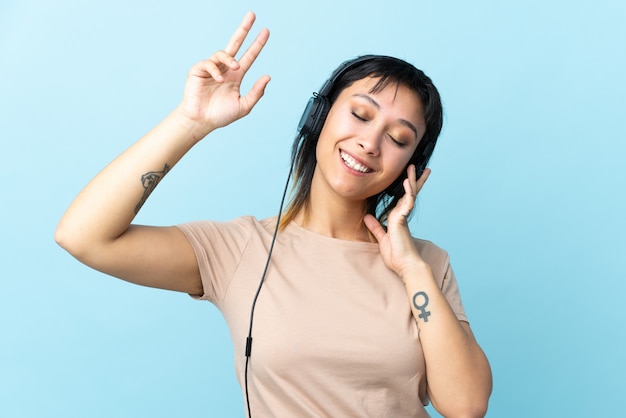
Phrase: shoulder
[430,249]
[435,256]
[241,227]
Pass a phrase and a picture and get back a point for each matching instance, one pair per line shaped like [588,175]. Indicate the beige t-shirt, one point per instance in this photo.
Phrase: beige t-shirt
[333,331]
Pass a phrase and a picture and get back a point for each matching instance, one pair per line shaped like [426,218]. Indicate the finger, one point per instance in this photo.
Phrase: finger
[224,59]
[407,203]
[219,64]
[375,227]
[412,187]
[411,178]
[410,190]
[422,180]
[253,51]
[215,66]
[240,34]
[207,69]
[254,95]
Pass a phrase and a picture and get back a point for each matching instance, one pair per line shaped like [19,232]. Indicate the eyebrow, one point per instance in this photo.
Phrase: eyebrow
[377,106]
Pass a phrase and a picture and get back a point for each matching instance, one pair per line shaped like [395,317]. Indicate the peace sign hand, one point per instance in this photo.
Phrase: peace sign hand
[212,97]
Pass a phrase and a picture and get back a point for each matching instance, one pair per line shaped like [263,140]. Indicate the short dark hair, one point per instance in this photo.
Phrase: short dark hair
[387,70]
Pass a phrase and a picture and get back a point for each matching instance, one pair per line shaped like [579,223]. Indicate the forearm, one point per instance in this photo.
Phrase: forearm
[458,373]
[104,209]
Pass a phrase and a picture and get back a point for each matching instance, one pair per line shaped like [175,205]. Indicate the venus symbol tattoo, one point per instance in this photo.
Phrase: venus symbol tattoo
[421,307]
[149,182]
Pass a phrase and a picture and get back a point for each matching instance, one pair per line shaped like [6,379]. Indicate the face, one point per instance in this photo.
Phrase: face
[367,140]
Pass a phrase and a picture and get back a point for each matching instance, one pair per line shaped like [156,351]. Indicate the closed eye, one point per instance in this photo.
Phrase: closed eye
[398,143]
[356,115]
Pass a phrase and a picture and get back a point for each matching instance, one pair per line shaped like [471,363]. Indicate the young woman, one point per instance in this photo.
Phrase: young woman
[355,317]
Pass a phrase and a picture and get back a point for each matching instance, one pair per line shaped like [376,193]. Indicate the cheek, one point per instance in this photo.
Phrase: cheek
[400,161]
[323,146]
[334,129]
[339,123]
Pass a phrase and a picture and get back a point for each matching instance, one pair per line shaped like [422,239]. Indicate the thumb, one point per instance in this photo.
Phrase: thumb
[254,95]
[375,227]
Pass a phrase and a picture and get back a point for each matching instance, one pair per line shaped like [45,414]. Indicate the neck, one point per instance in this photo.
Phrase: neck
[342,220]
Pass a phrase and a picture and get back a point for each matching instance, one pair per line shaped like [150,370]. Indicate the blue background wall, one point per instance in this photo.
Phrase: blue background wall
[527,190]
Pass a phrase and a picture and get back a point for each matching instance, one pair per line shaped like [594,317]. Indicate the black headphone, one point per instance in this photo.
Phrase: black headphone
[316,111]
[317,108]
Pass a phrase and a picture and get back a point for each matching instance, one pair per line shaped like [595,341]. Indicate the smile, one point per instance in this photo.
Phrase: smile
[353,164]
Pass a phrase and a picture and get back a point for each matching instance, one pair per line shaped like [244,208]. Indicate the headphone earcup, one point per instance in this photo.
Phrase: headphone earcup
[314,115]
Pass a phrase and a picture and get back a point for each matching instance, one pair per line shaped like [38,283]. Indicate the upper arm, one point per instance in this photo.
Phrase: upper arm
[159,257]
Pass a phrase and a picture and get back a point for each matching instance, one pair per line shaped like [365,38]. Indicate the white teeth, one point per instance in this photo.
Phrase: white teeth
[351,162]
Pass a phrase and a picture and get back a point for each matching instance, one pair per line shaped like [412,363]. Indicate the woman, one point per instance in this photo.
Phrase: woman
[354,318]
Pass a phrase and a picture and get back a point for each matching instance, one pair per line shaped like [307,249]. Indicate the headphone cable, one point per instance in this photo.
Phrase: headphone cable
[256,296]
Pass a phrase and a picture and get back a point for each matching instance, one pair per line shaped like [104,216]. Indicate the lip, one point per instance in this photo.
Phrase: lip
[358,161]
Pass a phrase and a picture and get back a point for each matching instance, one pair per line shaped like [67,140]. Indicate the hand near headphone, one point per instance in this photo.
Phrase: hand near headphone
[212,95]
[397,246]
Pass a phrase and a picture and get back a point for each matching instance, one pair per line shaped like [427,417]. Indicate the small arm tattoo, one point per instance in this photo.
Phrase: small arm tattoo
[149,182]
[421,307]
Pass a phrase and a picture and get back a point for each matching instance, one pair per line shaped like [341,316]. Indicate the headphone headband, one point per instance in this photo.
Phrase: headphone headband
[317,108]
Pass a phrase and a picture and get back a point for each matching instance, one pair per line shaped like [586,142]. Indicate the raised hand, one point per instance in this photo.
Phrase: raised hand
[97,229]
[212,96]
[396,244]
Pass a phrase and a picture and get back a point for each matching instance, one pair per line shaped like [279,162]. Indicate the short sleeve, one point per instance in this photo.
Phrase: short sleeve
[218,247]
[439,262]
[450,289]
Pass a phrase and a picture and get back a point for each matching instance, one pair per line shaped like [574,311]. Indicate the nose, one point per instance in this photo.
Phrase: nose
[370,142]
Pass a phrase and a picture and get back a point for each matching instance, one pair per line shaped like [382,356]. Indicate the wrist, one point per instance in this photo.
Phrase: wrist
[418,269]
[195,129]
